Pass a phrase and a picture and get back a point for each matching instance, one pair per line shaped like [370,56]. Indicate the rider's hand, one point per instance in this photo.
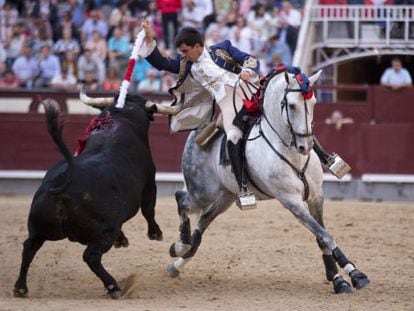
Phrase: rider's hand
[245,75]
[149,32]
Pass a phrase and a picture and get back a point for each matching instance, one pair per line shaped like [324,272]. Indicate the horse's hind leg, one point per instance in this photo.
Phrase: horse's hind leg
[221,204]
[325,240]
[182,246]
[340,285]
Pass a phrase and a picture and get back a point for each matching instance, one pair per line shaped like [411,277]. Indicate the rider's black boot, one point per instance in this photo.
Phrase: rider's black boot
[245,199]
[333,162]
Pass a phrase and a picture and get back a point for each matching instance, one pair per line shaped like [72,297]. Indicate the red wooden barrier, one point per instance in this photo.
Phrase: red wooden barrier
[385,147]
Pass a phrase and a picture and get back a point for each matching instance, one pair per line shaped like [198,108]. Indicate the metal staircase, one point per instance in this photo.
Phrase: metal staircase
[331,34]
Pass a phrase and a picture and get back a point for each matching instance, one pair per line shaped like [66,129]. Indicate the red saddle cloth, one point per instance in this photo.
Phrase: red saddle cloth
[96,123]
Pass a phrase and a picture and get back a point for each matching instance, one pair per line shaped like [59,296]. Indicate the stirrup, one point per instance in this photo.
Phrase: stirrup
[246,200]
[337,166]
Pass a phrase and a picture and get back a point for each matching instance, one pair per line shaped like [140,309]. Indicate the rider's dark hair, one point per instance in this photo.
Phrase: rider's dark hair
[189,36]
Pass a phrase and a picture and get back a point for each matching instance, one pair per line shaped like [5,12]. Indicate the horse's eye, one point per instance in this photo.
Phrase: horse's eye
[292,106]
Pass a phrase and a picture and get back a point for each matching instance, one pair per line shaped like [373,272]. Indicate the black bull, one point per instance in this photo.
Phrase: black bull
[87,198]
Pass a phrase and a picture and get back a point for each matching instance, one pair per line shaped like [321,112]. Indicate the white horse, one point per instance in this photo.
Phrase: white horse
[280,163]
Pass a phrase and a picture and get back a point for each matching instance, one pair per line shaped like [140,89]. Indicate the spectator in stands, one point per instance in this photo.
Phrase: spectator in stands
[337,119]
[9,80]
[119,16]
[396,77]
[233,14]
[67,43]
[191,15]
[94,22]
[169,13]
[279,47]
[88,63]
[63,81]
[48,66]
[112,82]
[70,61]
[151,84]
[66,24]
[41,35]
[77,13]
[90,81]
[118,50]
[155,18]
[260,23]
[8,18]
[217,31]
[3,56]
[25,67]
[241,36]
[15,45]
[291,19]
[47,10]
[97,44]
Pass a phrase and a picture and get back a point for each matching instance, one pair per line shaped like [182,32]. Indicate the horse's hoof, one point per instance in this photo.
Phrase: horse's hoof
[341,286]
[20,292]
[179,249]
[172,271]
[359,279]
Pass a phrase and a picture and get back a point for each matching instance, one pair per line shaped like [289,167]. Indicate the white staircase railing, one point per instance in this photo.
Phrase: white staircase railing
[339,31]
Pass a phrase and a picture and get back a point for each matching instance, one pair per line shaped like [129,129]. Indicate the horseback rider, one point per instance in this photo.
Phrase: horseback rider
[219,74]
[207,75]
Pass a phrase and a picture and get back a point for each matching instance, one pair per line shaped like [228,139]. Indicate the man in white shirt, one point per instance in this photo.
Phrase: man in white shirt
[25,67]
[207,75]
[396,77]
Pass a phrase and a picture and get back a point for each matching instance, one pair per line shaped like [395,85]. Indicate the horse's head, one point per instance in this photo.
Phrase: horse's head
[297,107]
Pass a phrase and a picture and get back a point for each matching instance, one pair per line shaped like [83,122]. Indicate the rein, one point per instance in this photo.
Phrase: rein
[300,173]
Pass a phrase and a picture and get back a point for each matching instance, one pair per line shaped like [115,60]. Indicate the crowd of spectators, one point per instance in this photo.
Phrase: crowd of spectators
[62,44]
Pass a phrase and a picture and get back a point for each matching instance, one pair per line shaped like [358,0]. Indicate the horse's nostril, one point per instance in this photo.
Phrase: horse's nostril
[301,149]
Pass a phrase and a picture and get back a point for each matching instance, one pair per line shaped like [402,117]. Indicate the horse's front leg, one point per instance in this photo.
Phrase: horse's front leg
[207,216]
[325,240]
[340,285]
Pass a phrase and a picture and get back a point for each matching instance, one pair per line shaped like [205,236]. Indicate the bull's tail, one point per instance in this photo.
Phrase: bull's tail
[55,129]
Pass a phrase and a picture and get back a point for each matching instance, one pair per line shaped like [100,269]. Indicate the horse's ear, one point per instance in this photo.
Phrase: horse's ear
[315,77]
[287,77]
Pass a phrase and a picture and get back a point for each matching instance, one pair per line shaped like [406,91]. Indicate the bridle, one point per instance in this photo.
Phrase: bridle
[299,172]
[284,106]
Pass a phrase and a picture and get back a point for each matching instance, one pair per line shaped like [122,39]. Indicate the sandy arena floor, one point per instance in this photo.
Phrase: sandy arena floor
[261,259]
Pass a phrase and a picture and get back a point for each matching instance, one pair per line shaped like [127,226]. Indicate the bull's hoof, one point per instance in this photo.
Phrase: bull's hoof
[341,286]
[179,249]
[155,236]
[122,242]
[172,271]
[114,292]
[20,292]
[359,279]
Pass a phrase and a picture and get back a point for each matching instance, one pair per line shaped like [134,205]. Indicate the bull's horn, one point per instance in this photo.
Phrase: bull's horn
[97,102]
[163,109]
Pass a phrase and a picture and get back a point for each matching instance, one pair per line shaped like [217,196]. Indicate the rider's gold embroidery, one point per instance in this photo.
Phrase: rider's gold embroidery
[226,56]
[183,64]
[251,62]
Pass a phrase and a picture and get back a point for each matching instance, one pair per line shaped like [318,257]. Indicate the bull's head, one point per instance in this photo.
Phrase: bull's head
[102,102]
